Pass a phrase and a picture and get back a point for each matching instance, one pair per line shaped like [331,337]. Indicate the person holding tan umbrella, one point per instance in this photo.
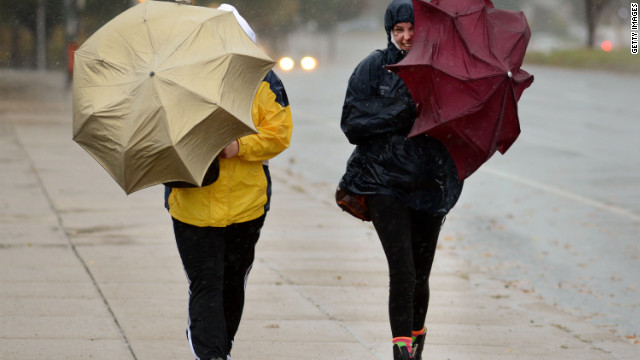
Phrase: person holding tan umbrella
[181,95]
[217,226]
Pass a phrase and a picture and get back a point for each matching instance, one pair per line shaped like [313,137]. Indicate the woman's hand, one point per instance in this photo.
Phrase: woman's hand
[230,150]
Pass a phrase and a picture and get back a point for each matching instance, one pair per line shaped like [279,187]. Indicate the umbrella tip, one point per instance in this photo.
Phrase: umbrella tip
[509,74]
[153,73]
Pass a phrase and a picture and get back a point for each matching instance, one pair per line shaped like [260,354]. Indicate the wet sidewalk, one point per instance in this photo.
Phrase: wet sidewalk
[89,273]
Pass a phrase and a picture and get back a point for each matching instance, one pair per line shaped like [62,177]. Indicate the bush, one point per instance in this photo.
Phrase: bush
[616,60]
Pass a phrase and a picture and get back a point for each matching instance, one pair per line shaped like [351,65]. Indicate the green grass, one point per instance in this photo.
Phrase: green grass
[616,60]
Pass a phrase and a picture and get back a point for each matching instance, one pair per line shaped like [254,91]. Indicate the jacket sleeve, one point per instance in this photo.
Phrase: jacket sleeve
[367,113]
[272,117]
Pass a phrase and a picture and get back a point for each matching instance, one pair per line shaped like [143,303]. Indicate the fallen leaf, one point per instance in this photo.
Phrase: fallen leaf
[500,296]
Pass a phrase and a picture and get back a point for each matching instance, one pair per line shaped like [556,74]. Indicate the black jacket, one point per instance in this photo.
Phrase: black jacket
[377,115]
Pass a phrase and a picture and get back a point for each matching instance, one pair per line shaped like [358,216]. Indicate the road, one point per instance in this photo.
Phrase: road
[558,215]
[95,273]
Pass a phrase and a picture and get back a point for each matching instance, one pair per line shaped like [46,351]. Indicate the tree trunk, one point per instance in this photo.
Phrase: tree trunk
[593,9]
[591,23]
[41,36]
[14,59]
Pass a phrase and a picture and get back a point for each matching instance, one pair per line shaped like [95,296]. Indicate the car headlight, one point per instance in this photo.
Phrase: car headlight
[286,63]
[308,63]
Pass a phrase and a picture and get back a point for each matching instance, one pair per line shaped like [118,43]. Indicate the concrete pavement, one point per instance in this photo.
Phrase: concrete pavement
[89,273]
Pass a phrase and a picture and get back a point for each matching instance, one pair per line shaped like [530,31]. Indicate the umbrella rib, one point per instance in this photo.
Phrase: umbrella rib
[495,133]
[491,47]
[455,16]
[457,27]
[191,63]
[476,57]
[515,43]
[488,94]
[461,78]
[504,100]
[195,94]
[103,61]
[222,81]
[146,22]
[195,29]
[175,49]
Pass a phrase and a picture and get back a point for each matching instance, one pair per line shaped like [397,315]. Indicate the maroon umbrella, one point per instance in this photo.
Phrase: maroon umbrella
[463,72]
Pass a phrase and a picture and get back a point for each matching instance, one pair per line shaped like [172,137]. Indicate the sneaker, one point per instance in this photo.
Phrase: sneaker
[401,353]
[417,346]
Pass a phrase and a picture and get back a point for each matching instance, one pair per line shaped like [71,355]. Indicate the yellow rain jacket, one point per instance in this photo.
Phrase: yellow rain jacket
[241,192]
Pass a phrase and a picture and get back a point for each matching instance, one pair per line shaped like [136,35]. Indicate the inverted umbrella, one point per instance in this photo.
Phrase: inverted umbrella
[463,72]
[161,89]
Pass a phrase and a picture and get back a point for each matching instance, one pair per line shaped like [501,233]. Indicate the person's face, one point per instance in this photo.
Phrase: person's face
[403,35]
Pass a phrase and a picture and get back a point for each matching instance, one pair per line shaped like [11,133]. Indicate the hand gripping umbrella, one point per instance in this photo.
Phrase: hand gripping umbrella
[463,72]
[161,89]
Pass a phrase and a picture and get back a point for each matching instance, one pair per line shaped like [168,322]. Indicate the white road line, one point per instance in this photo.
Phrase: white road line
[579,198]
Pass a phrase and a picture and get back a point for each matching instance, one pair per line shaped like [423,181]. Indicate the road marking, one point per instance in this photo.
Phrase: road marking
[579,198]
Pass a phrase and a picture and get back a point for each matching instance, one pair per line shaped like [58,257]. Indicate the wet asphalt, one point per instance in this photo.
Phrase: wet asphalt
[558,215]
[91,273]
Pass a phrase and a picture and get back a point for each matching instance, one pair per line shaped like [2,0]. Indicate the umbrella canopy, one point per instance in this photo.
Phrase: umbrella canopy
[463,72]
[161,89]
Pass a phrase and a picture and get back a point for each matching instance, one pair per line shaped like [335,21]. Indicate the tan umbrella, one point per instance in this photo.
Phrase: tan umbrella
[161,89]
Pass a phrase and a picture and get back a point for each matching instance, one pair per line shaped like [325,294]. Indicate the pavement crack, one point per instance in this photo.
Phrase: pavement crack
[60,222]
[31,245]
[319,306]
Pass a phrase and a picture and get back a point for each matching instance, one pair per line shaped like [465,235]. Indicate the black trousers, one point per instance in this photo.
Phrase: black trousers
[217,262]
[409,238]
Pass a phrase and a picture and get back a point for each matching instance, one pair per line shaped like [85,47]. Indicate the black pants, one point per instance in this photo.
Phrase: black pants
[217,262]
[409,238]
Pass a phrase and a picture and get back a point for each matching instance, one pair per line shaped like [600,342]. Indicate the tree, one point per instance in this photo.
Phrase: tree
[593,9]
[325,15]
[20,16]
[97,13]
[328,13]
[273,21]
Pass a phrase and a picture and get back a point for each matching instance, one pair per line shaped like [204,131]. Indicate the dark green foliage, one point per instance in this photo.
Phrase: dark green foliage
[272,20]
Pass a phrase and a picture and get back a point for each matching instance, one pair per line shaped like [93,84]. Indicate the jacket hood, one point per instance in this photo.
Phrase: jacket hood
[398,11]
[243,23]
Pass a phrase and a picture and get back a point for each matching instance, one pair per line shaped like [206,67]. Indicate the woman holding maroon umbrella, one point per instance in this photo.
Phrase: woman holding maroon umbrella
[408,184]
